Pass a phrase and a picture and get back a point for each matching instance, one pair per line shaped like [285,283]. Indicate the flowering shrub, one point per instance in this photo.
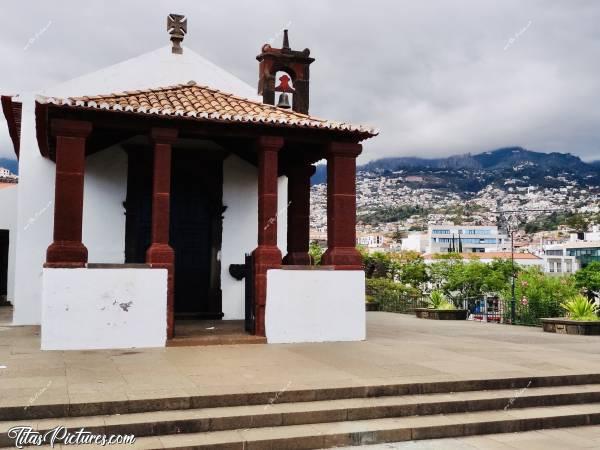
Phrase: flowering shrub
[538,295]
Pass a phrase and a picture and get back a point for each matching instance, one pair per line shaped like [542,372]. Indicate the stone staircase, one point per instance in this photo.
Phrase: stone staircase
[331,417]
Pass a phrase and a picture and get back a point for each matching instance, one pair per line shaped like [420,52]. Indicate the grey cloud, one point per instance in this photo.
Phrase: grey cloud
[437,77]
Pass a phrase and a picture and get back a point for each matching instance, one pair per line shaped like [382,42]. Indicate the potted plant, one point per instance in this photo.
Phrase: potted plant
[581,318]
[440,308]
[371,303]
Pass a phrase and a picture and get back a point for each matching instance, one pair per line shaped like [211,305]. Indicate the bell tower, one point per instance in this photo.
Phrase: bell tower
[295,64]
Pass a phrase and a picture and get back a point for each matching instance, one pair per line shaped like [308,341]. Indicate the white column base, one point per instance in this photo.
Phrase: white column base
[104,308]
[315,306]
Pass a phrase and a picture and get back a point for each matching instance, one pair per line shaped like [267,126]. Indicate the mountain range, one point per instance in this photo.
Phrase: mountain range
[466,172]
[471,173]
[501,158]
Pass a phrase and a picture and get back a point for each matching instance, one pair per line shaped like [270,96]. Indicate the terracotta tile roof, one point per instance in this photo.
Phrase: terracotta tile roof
[204,103]
[486,255]
[504,255]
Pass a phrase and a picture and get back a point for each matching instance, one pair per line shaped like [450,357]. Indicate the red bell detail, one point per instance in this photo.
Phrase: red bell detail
[284,84]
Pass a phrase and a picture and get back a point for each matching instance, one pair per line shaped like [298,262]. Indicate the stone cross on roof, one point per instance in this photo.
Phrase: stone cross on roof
[177,28]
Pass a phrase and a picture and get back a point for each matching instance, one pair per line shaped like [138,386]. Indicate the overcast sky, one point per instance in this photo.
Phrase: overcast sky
[436,77]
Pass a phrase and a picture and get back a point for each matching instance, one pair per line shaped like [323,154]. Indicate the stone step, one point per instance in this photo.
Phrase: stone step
[303,413]
[76,409]
[374,431]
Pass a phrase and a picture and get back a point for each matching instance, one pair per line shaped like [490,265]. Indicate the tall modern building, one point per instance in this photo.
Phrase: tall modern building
[457,238]
[582,252]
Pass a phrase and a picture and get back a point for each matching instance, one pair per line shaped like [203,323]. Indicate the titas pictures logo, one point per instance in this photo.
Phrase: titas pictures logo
[27,436]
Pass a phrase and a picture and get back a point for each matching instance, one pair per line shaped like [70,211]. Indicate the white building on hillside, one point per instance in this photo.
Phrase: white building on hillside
[370,240]
[572,255]
[416,242]
[458,238]
[592,235]
[557,261]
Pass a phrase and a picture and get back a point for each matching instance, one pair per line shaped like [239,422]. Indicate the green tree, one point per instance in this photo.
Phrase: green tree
[409,268]
[578,222]
[391,214]
[467,280]
[500,274]
[439,271]
[472,279]
[377,264]
[588,279]
[316,252]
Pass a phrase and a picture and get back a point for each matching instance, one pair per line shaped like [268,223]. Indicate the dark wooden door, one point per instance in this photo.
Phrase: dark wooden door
[190,235]
[3,262]
[195,227]
[138,205]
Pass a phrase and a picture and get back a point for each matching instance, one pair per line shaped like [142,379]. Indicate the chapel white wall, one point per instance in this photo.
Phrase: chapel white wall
[8,221]
[240,227]
[34,220]
[105,183]
[105,190]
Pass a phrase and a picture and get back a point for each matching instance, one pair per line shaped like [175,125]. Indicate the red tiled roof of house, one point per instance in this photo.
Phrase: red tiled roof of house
[486,255]
[504,255]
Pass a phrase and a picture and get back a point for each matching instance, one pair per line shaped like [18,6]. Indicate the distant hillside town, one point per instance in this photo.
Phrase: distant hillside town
[7,177]
[462,204]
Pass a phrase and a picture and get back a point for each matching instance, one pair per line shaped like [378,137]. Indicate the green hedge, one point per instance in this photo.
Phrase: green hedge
[393,296]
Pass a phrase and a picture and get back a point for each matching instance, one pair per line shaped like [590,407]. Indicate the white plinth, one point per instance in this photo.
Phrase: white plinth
[315,306]
[104,308]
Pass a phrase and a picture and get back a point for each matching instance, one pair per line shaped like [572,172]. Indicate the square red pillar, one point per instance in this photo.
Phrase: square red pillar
[267,255]
[341,206]
[298,213]
[67,250]
[160,254]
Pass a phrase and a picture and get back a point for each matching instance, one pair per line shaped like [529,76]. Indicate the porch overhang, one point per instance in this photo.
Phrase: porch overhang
[197,112]
[12,112]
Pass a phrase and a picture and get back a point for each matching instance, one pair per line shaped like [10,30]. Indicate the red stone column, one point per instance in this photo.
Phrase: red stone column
[160,254]
[341,206]
[267,255]
[67,250]
[298,213]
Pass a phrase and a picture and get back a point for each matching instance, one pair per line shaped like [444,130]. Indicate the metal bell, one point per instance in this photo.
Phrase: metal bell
[284,101]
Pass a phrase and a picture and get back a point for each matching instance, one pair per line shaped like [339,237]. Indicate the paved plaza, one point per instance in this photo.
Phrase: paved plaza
[399,349]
